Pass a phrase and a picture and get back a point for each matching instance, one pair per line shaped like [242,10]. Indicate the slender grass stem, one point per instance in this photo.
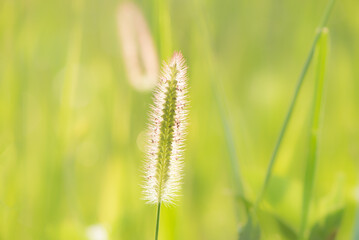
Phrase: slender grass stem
[158,219]
[292,104]
[313,144]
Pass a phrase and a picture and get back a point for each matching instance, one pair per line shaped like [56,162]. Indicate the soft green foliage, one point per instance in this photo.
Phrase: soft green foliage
[250,231]
[356,226]
[72,127]
[327,228]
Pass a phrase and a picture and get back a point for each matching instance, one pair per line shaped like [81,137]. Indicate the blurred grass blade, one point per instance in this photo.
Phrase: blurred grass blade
[70,80]
[161,10]
[356,224]
[313,140]
[250,231]
[230,142]
[292,104]
[219,98]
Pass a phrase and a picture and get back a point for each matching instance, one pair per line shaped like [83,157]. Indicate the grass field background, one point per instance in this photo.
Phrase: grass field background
[72,127]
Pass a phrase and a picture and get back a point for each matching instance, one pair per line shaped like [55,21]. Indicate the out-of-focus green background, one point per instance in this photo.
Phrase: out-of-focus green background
[71,125]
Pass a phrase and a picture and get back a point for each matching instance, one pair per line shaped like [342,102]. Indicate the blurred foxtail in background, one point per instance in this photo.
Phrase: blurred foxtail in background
[138,49]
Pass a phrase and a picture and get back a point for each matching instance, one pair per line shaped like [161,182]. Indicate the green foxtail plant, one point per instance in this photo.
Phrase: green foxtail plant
[167,129]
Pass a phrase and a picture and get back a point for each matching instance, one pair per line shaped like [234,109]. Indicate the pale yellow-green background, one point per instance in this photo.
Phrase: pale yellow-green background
[70,123]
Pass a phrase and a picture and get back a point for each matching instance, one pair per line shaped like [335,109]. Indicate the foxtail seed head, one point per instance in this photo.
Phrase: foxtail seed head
[168,119]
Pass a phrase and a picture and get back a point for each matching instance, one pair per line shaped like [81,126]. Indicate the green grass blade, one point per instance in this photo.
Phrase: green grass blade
[313,142]
[356,224]
[292,104]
